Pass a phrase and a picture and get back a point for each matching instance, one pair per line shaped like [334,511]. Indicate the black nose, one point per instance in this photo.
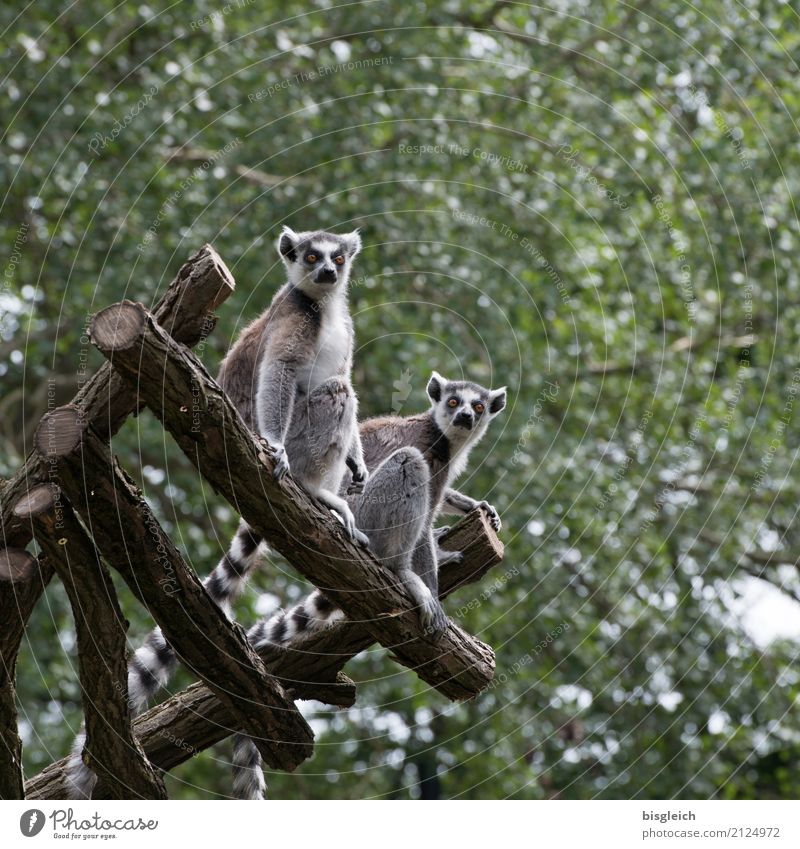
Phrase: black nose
[326,275]
[463,420]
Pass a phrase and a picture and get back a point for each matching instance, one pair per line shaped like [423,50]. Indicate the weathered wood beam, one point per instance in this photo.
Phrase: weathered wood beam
[132,542]
[192,407]
[192,720]
[111,751]
[16,604]
[187,312]
[17,564]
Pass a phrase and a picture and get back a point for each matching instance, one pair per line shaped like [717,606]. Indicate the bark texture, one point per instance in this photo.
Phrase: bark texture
[194,719]
[133,543]
[111,750]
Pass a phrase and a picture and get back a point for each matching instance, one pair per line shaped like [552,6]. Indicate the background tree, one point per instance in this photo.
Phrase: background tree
[591,203]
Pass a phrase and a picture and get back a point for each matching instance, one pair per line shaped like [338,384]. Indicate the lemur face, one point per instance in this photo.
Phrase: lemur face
[462,409]
[317,262]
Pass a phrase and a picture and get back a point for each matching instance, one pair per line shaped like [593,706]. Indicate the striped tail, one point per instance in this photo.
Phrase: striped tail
[313,613]
[152,665]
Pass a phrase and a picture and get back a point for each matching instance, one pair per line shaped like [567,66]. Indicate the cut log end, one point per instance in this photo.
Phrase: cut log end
[38,501]
[16,564]
[60,432]
[118,327]
[227,284]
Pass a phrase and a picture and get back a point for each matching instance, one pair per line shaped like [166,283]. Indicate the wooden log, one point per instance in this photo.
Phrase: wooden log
[17,600]
[198,414]
[186,311]
[111,751]
[194,719]
[131,540]
[16,564]
[186,308]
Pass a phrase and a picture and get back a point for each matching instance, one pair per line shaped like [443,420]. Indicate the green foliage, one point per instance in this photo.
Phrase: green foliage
[589,202]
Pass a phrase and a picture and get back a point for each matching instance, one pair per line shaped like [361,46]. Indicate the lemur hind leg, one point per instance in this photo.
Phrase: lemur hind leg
[394,512]
[425,565]
[317,445]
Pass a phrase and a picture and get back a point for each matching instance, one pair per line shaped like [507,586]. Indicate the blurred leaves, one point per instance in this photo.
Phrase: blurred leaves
[595,198]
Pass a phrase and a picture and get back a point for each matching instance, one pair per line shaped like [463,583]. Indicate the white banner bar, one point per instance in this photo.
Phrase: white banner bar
[373,824]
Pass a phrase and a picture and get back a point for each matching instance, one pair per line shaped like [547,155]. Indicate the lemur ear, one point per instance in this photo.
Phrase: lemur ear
[435,386]
[497,400]
[352,243]
[287,244]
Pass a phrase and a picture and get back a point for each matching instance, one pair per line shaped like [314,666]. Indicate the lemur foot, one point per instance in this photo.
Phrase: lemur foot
[438,533]
[348,520]
[360,478]
[281,462]
[432,617]
[491,514]
[443,556]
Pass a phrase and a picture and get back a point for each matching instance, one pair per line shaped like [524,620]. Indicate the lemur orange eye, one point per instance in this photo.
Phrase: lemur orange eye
[453,402]
[311,258]
[339,260]
[479,408]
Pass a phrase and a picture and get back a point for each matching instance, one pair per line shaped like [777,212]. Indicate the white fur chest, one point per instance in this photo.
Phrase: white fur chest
[459,456]
[333,347]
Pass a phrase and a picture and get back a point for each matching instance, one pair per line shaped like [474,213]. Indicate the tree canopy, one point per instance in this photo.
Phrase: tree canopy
[591,203]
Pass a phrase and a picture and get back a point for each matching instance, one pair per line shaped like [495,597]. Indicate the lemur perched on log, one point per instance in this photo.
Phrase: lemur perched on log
[288,375]
[412,462]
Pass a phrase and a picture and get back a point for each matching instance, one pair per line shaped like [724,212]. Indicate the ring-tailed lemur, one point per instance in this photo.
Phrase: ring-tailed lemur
[288,375]
[412,463]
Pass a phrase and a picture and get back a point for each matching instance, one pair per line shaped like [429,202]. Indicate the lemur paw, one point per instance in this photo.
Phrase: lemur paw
[349,522]
[360,478]
[361,538]
[438,533]
[281,462]
[492,515]
[443,556]
[432,617]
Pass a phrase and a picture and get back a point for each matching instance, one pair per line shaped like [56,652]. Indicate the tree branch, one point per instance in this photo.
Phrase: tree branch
[194,719]
[200,154]
[186,312]
[132,542]
[17,600]
[111,749]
